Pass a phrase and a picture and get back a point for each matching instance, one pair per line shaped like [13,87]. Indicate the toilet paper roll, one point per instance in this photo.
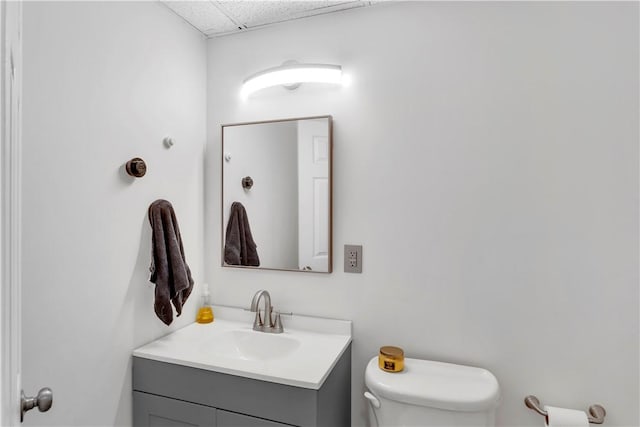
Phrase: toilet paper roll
[563,417]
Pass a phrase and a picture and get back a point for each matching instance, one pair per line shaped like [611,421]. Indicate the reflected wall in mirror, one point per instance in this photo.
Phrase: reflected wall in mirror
[276,194]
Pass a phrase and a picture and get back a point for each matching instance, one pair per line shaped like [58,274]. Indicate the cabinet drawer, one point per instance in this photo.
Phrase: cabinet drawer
[231,419]
[157,411]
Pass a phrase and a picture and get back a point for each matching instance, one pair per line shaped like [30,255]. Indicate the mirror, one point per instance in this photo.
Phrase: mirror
[276,194]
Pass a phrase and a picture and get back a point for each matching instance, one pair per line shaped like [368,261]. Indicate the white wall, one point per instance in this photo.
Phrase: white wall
[268,153]
[486,156]
[103,82]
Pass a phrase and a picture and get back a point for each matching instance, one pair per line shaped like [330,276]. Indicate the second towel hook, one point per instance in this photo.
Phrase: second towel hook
[247,183]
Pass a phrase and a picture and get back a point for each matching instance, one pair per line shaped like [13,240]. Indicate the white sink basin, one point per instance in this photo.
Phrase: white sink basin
[250,345]
[302,356]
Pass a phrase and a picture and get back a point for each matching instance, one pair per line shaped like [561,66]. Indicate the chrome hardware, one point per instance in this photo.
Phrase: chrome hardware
[277,325]
[596,412]
[267,323]
[43,401]
[372,399]
[168,141]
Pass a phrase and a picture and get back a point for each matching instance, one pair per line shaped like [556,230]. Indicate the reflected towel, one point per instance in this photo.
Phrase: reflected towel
[169,269]
[239,247]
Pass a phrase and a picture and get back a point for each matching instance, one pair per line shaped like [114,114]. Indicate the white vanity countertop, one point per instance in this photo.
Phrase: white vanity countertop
[302,356]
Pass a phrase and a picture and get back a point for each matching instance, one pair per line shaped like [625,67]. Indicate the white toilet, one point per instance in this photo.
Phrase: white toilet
[431,394]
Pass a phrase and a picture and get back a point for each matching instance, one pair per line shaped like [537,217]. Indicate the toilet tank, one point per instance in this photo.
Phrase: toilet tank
[431,394]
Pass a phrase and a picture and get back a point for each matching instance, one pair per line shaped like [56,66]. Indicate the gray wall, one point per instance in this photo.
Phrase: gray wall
[486,156]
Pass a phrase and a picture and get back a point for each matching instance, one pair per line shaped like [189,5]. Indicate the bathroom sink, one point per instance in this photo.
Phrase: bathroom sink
[301,356]
[251,345]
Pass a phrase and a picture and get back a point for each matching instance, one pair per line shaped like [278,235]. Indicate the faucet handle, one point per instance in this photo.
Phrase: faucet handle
[277,325]
[268,318]
[257,321]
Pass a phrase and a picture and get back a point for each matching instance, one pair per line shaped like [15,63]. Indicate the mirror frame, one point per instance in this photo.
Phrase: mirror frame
[330,172]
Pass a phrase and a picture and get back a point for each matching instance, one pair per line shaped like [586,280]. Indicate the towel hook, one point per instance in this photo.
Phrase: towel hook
[597,412]
[168,141]
[247,183]
[136,167]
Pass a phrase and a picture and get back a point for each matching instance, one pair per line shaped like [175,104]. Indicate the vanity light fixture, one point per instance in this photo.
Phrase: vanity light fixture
[290,75]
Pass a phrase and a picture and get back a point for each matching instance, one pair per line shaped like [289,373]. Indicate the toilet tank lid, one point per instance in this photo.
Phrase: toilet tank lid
[436,385]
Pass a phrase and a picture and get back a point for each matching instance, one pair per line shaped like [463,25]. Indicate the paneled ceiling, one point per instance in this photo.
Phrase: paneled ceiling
[219,17]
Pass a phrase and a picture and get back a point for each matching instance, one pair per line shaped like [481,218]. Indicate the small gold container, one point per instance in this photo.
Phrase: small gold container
[391,359]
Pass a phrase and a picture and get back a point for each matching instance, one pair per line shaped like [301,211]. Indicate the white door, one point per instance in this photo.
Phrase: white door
[313,194]
[10,223]
[10,22]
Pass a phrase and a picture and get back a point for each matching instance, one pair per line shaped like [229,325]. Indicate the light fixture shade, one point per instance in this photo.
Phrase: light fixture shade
[291,74]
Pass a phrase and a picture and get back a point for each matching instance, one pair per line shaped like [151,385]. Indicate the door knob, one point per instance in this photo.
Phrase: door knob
[43,401]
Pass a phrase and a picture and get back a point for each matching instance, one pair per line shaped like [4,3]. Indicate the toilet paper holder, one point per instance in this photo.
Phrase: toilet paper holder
[596,412]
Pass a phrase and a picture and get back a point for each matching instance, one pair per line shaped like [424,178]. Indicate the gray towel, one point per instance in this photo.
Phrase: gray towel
[239,247]
[169,270]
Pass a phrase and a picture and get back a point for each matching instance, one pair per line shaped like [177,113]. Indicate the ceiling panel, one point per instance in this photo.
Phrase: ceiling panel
[204,15]
[256,13]
[217,17]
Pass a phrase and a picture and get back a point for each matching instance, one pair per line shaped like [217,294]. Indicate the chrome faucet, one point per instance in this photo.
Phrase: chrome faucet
[268,324]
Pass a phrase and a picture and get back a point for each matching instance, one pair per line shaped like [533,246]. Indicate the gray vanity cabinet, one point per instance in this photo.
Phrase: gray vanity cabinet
[167,394]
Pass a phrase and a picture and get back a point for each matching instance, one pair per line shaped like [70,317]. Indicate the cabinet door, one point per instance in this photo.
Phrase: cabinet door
[155,411]
[231,419]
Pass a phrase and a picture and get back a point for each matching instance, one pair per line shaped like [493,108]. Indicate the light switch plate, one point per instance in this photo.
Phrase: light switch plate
[353,258]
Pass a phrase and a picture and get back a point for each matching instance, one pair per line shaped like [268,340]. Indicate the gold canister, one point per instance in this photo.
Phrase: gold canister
[391,359]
